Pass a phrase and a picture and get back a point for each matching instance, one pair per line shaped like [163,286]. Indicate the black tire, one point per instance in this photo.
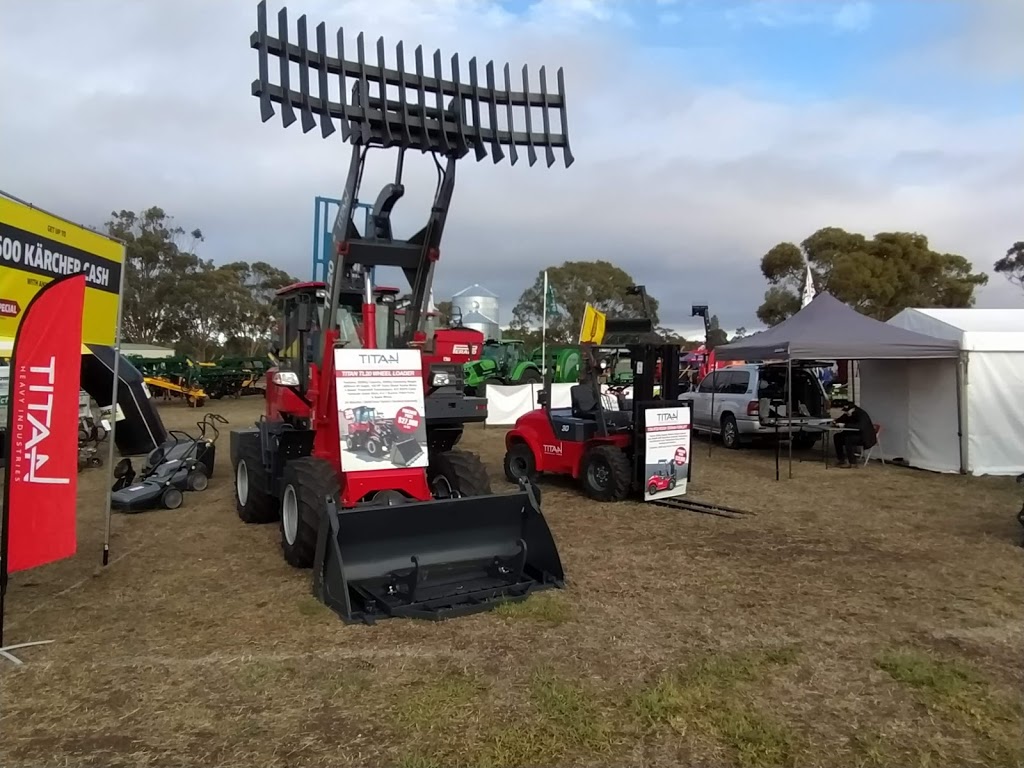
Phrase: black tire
[311,481]
[171,498]
[197,480]
[652,489]
[458,472]
[671,485]
[373,447]
[730,432]
[258,506]
[519,462]
[606,474]
[531,376]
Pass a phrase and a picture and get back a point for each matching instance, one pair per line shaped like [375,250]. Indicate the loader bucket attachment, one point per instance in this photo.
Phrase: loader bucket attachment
[413,107]
[406,452]
[433,559]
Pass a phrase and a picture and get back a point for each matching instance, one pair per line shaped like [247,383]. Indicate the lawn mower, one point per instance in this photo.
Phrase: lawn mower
[601,446]
[429,539]
[182,463]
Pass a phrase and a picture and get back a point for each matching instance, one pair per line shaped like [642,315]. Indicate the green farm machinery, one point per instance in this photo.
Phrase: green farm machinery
[182,377]
[507,362]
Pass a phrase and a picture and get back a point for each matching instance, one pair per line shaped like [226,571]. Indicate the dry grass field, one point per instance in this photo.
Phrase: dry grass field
[867,617]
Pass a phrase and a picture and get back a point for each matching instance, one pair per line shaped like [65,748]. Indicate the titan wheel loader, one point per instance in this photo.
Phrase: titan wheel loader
[422,537]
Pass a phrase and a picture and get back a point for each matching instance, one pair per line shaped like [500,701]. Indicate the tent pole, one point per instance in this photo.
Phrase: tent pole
[789,411]
[711,434]
[113,410]
[962,411]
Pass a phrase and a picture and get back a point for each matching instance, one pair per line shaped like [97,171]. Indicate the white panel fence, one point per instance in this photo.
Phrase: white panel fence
[505,404]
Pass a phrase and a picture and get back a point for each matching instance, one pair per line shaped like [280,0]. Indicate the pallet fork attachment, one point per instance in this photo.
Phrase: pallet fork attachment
[380,106]
[435,559]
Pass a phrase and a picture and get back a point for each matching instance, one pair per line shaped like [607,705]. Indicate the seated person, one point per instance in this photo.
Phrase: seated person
[859,433]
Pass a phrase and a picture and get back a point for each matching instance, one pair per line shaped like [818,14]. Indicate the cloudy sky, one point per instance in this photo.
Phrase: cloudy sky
[705,131]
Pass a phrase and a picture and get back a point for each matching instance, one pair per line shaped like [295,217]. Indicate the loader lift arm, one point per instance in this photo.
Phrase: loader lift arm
[425,539]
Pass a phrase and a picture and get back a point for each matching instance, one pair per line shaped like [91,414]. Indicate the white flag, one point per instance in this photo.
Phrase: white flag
[808,289]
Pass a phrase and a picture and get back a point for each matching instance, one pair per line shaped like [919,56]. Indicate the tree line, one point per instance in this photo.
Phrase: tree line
[175,298]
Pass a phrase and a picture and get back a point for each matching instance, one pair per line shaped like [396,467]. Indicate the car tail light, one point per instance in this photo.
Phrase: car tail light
[753,408]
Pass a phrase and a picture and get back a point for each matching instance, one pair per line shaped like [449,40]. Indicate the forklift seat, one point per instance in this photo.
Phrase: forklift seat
[586,406]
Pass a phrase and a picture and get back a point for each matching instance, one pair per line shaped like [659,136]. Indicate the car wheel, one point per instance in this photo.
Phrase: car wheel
[730,432]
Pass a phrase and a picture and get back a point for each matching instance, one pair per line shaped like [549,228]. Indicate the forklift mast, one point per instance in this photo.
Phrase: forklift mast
[383,107]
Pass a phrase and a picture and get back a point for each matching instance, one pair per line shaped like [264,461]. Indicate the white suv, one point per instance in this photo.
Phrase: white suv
[748,398]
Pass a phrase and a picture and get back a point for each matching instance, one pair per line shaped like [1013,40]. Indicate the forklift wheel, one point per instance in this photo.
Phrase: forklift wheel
[197,480]
[171,498]
[652,489]
[672,484]
[519,463]
[606,475]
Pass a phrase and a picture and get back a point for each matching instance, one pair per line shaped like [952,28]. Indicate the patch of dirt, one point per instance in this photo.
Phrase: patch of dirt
[199,644]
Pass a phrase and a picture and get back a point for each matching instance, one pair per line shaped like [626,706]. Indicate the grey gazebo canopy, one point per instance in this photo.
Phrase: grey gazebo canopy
[828,329]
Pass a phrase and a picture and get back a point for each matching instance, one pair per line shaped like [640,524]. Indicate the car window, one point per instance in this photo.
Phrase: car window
[707,384]
[737,383]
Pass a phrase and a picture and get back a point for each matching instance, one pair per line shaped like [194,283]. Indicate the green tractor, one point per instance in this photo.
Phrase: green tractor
[563,362]
[501,362]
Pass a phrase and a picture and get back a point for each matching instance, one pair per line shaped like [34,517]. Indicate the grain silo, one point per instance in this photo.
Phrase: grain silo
[479,308]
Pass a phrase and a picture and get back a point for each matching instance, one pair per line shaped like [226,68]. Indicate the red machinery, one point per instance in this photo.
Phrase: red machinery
[402,541]
[601,448]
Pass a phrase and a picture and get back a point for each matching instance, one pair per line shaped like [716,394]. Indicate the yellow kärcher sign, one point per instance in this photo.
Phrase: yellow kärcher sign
[592,329]
[36,247]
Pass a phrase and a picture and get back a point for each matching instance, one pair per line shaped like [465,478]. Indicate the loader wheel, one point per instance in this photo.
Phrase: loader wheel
[308,482]
[373,447]
[457,473]
[519,462]
[252,498]
[606,474]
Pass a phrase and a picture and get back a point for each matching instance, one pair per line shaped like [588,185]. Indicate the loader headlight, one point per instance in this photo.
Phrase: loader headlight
[286,379]
[440,379]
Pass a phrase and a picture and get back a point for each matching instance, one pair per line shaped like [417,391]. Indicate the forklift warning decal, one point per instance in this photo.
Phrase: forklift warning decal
[380,409]
[36,247]
[667,452]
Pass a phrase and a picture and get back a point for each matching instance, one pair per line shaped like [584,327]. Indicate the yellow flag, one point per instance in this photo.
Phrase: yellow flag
[592,330]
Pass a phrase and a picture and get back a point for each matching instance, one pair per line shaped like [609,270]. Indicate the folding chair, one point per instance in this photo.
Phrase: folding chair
[878,444]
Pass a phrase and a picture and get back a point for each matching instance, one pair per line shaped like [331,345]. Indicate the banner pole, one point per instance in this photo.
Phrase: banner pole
[544,327]
[113,410]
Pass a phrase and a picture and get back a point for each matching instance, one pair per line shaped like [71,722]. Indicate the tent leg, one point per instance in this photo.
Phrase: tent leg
[961,411]
[789,411]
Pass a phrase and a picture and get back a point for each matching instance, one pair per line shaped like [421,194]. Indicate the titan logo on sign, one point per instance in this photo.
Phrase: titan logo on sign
[668,417]
[379,359]
[35,388]
[553,450]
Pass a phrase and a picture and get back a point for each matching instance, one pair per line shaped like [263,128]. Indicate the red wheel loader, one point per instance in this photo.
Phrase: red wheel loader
[423,536]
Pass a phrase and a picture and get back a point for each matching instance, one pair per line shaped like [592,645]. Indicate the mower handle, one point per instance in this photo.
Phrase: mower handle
[208,422]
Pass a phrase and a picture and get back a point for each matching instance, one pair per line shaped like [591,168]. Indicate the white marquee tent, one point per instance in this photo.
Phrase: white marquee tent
[920,408]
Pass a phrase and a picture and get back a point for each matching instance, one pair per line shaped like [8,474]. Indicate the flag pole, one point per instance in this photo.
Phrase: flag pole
[544,328]
[113,410]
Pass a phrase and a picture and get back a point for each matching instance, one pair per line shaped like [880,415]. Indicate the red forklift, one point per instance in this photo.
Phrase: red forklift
[601,443]
[414,541]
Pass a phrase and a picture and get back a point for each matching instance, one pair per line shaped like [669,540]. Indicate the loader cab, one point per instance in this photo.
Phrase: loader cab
[304,306]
